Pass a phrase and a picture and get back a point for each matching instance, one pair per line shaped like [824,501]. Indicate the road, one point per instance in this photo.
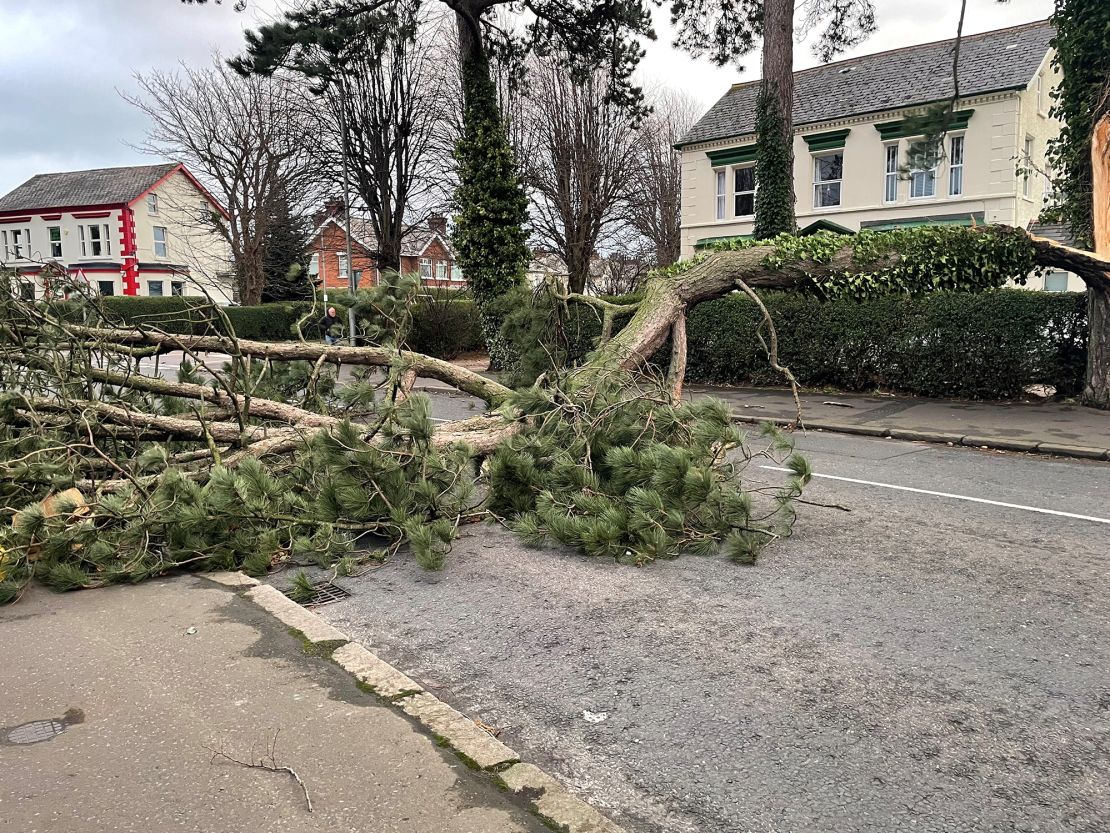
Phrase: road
[925,662]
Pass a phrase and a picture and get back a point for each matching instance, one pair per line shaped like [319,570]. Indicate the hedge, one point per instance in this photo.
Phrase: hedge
[442,326]
[989,345]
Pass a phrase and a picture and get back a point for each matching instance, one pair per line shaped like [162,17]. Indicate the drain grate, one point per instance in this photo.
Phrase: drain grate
[36,731]
[326,594]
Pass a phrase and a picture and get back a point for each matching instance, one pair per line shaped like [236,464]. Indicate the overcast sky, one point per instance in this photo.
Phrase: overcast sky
[64,61]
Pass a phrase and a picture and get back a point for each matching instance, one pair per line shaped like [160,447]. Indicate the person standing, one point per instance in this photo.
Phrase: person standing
[326,323]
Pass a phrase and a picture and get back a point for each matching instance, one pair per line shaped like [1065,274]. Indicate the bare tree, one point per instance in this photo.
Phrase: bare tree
[579,155]
[245,139]
[655,188]
[384,95]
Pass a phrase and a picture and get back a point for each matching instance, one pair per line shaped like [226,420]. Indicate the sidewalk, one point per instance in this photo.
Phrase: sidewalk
[1046,427]
[157,697]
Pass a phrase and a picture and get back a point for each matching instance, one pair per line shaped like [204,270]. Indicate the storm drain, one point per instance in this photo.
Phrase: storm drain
[326,594]
[36,731]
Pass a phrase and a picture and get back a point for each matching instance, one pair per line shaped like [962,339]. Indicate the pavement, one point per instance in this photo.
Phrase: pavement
[933,660]
[134,690]
[1066,429]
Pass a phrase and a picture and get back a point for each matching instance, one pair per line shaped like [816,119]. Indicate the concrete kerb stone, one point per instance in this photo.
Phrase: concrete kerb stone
[1002,443]
[464,735]
[554,803]
[292,614]
[377,674]
[229,579]
[1074,451]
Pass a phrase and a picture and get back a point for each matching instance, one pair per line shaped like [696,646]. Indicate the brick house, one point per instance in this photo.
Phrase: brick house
[140,230]
[426,251]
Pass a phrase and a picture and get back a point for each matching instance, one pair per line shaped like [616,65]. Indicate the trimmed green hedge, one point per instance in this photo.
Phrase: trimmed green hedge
[442,326]
[988,345]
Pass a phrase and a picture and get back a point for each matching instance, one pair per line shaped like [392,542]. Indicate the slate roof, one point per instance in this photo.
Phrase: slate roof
[1060,232]
[1003,59]
[101,186]
[416,239]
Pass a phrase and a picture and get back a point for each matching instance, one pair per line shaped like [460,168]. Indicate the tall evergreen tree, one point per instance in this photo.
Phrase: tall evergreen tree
[285,256]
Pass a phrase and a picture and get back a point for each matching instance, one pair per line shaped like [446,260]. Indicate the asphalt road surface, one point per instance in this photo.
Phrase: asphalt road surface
[926,662]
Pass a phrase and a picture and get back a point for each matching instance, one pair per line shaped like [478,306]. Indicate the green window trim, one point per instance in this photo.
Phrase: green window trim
[832,140]
[923,221]
[889,130]
[732,156]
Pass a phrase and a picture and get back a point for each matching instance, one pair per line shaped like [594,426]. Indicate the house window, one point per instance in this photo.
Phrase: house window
[106,287]
[1040,94]
[1027,170]
[720,195]
[342,258]
[54,234]
[890,177]
[154,289]
[314,265]
[17,243]
[923,183]
[26,291]
[828,171]
[177,288]
[1056,282]
[160,247]
[744,191]
[956,166]
[151,203]
[425,267]
[441,271]
[95,241]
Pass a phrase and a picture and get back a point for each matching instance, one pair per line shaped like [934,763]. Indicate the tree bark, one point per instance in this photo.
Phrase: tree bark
[775,198]
[1097,390]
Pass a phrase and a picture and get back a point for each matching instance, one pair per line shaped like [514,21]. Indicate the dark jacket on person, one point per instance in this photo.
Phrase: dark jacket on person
[327,322]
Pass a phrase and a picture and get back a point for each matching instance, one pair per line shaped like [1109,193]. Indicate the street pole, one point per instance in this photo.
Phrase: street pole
[352,285]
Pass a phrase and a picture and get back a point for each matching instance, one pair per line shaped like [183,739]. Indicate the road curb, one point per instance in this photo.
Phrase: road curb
[548,798]
[969,440]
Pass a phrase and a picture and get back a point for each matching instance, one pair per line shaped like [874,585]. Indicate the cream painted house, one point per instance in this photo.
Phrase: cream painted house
[144,230]
[851,138]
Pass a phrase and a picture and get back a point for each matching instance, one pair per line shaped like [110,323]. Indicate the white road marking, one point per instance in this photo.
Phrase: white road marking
[955,497]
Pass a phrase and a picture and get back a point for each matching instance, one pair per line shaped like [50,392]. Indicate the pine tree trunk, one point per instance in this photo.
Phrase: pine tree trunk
[1097,391]
[774,209]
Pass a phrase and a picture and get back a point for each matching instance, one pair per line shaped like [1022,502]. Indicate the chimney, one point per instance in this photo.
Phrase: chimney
[438,224]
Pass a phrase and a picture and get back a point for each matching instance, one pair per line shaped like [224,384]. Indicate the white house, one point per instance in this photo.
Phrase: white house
[144,230]
[851,137]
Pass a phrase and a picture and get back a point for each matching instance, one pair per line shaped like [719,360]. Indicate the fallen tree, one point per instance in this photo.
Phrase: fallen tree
[272,458]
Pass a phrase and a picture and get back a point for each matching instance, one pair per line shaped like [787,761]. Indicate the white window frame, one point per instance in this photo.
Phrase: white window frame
[425,267]
[177,288]
[161,289]
[4,241]
[341,265]
[441,270]
[26,290]
[314,265]
[20,246]
[957,148]
[89,241]
[721,177]
[151,203]
[100,287]
[1055,274]
[55,245]
[890,172]
[164,243]
[921,178]
[1040,94]
[1027,171]
[818,183]
[736,194]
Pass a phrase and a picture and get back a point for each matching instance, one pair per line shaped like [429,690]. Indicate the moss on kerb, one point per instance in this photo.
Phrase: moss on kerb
[323,649]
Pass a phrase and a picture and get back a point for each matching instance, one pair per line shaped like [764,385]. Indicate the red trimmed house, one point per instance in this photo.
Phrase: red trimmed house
[426,251]
[143,230]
